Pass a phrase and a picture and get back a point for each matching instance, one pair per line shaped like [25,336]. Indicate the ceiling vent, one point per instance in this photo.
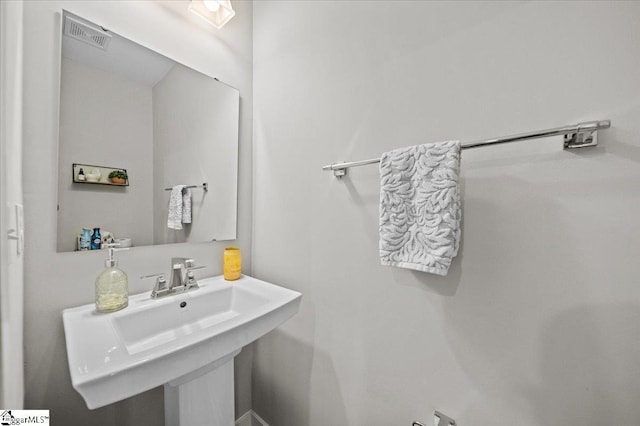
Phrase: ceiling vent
[87,33]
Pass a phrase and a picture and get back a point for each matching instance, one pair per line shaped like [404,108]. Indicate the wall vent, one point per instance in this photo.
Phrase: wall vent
[90,34]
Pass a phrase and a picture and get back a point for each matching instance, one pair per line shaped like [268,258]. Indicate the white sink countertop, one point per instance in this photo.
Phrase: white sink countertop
[154,341]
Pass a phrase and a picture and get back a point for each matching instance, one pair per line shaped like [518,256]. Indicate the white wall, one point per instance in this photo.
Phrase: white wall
[538,322]
[105,120]
[211,155]
[55,281]
[11,252]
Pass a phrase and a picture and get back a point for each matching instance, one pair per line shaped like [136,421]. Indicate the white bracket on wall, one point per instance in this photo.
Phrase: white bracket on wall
[439,419]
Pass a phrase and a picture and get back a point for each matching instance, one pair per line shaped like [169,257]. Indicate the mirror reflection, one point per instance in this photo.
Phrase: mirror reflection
[148,147]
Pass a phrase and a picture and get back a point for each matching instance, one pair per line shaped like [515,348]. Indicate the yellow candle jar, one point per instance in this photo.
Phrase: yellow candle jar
[232,261]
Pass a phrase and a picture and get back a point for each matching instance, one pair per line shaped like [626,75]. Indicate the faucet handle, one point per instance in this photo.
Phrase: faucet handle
[190,280]
[190,265]
[144,277]
[193,268]
[160,286]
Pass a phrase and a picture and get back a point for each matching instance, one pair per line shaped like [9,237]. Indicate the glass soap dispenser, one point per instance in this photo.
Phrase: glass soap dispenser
[112,285]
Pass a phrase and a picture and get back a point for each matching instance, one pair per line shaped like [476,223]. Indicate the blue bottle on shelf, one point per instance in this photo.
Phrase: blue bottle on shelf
[85,239]
[96,239]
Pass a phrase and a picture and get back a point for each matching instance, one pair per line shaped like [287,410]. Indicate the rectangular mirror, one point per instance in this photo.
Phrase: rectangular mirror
[133,125]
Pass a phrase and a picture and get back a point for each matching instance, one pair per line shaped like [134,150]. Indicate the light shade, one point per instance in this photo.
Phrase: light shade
[216,12]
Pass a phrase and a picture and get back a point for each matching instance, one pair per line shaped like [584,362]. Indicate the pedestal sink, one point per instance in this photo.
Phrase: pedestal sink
[185,342]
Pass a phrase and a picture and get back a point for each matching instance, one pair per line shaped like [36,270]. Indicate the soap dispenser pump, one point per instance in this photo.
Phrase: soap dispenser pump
[112,285]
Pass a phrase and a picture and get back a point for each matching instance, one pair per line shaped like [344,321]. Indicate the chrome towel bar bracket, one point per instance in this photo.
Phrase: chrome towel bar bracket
[439,419]
[579,135]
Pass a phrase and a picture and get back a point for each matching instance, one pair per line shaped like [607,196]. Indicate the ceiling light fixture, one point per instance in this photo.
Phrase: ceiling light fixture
[216,12]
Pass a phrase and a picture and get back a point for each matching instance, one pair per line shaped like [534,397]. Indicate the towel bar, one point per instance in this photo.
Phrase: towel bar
[575,136]
[204,186]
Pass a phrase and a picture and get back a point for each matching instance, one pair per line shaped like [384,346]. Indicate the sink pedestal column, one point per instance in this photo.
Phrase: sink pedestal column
[203,397]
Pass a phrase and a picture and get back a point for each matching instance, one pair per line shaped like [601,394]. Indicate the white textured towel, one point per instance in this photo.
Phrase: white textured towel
[186,205]
[176,208]
[420,207]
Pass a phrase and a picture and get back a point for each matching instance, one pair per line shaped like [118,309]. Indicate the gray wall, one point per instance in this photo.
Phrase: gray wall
[105,120]
[55,281]
[538,322]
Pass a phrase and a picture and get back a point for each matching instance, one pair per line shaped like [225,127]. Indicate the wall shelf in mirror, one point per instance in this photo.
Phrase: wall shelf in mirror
[99,175]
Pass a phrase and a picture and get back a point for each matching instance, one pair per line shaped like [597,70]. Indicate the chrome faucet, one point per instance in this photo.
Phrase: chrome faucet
[180,281]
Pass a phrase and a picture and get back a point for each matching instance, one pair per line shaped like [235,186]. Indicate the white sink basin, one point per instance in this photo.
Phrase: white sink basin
[158,341]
